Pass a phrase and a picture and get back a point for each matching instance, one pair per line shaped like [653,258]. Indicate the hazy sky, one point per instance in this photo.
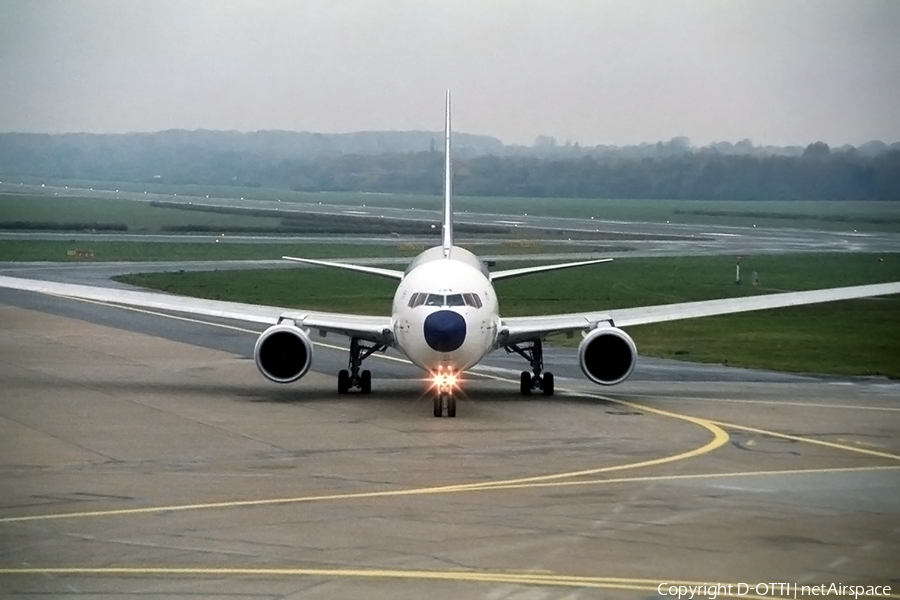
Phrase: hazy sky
[593,71]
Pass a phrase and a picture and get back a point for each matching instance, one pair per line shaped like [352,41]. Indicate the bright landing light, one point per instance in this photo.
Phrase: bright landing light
[444,380]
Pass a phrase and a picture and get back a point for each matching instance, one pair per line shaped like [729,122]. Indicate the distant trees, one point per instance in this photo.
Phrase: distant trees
[406,162]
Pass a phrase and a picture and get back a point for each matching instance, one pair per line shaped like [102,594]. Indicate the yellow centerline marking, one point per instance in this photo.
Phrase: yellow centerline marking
[493,486]
[619,583]
[700,476]
[776,403]
[808,440]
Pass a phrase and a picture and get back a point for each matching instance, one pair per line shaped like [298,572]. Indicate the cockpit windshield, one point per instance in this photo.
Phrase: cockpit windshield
[455,300]
[468,299]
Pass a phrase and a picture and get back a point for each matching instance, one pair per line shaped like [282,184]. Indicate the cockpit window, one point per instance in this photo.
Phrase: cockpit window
[455,300]
[420,298]
[472,300]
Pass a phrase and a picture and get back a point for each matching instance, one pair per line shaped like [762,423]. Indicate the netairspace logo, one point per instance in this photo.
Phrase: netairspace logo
[778,590]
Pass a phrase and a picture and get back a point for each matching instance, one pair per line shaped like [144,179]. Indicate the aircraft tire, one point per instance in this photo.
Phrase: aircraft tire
[451,405]
[365,382]
[525,383]
[547,384]
[438,405]
[343,381]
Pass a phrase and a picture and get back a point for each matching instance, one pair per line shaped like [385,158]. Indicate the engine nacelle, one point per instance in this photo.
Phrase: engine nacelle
[607,355]
[283,353]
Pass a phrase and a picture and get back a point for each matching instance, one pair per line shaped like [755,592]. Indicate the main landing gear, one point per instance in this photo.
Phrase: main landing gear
[533,352]
[354,378]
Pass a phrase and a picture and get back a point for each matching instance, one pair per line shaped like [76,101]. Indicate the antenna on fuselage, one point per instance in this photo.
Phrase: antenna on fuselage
[447,227]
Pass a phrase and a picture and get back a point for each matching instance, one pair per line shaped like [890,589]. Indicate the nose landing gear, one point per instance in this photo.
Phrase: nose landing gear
[444,382]
[444,400]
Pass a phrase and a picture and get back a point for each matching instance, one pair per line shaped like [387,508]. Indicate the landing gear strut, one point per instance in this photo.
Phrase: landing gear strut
[533,352]
[354,378]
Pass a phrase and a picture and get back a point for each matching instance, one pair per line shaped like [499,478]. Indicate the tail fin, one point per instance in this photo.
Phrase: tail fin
[447,227]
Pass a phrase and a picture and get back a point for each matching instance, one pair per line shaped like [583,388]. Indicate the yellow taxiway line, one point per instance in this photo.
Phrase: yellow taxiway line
[520,578]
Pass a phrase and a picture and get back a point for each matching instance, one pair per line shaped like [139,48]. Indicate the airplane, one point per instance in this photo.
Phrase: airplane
[445,318]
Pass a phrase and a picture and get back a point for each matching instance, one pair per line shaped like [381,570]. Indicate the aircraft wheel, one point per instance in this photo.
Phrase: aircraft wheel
[365,382]
[343,381]
[451,405]
[525,383]
[547,384]
[438,405]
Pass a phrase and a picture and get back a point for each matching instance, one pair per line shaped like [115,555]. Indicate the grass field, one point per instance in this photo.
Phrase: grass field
[860,337]
[837,215]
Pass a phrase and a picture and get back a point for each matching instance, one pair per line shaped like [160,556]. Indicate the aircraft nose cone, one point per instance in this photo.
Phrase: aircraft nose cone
[445,330]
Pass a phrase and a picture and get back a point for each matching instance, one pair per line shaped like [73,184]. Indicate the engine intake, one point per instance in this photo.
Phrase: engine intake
[283,353]
[607,355]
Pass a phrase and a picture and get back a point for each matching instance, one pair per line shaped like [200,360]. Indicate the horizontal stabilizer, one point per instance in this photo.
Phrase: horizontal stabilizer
[528,270]
[389,273]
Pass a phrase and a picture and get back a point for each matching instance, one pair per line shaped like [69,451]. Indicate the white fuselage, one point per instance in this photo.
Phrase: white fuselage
[445,311]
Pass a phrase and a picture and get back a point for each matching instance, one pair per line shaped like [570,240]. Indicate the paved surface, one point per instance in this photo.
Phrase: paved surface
[176,461]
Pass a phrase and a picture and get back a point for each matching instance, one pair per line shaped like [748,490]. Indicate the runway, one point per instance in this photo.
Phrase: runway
[143,455]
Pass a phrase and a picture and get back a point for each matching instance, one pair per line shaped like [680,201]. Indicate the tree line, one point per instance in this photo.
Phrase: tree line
[384,162]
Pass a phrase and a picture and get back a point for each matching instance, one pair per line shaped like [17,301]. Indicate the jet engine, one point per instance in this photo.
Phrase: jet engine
[607,355]
[283,353]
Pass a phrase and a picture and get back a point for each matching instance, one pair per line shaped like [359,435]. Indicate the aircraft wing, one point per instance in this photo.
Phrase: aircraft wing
[519,329]
[373,329]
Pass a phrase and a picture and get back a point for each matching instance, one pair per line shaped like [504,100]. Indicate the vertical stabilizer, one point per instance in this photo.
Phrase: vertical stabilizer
[447,227]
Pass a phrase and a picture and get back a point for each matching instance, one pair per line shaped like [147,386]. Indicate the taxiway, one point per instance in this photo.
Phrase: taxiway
[143,455]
